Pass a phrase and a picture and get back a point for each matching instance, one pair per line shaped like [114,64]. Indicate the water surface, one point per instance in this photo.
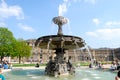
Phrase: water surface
[38,74]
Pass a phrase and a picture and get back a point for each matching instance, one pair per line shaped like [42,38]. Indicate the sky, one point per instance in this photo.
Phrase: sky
[95,21]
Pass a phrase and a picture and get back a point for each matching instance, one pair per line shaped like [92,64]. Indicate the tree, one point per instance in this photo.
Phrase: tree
[6,40]
[22,50]
[9,46]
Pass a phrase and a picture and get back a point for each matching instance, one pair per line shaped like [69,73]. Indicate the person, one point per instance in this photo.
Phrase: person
[10,65]
[113,66]
[90,65]
[1,76]
[5,66]
[118,76]
[37,65]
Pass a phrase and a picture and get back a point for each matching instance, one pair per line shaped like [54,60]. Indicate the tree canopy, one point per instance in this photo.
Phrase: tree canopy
[6,39]
[23,50]
[9,46]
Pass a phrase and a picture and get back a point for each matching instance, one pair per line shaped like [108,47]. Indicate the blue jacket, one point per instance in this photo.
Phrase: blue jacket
[5,66]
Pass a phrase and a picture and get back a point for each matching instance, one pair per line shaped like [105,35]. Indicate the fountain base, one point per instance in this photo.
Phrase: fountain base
[58,65]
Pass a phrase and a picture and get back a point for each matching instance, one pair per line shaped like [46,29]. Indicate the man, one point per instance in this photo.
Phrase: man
[1,76]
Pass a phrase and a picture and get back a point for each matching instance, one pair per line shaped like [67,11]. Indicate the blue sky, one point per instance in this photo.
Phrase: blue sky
[96,21]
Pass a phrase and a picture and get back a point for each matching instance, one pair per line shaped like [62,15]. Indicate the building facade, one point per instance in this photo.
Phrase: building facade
[84,54]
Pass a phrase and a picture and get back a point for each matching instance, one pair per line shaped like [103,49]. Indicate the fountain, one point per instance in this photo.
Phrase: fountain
[59,65]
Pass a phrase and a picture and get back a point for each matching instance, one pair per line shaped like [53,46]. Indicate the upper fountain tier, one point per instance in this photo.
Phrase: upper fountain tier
[60,20]
[60,40]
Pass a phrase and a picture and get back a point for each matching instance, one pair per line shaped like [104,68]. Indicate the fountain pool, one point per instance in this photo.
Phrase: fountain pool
[38,74]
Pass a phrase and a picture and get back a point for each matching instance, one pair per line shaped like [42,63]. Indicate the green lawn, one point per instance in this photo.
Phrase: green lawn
[26,65]
[85,63]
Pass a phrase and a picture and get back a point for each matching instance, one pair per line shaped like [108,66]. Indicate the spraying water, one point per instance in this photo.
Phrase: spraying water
[48,45]
[89,54]
[39,43]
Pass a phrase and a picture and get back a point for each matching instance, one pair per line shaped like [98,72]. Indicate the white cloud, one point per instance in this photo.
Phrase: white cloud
[78,1]
[96,21]
[92,34]
[26,27]
[90,1]
[2,24]
[7,11]
[105,34]
[112,23]
[86,1]
[65,0]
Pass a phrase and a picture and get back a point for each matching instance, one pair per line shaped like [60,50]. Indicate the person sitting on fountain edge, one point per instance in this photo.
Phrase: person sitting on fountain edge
[37,65]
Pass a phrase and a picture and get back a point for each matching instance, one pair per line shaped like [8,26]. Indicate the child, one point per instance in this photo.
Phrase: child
[1,76]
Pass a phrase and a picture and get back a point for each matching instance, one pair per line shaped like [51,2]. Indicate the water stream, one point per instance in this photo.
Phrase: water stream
[81,51]
[87,48]
[39,43]
[75,50]
[48,46]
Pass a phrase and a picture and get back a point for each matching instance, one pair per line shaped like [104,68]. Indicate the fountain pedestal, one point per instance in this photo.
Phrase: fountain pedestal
[59,65]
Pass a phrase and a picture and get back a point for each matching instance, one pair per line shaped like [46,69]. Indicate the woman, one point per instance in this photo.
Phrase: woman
[118,76]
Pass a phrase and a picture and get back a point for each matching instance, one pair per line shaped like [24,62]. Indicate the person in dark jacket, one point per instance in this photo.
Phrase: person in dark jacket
[118,76]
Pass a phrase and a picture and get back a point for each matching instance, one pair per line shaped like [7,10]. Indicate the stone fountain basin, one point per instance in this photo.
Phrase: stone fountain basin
[59,41]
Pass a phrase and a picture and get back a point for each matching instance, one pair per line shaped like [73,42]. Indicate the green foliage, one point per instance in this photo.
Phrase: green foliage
[6,36]
[22,50]
[9,46]
[6,40]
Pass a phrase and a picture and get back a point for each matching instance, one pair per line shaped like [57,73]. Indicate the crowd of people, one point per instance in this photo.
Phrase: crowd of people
[96,64]
[115,65]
